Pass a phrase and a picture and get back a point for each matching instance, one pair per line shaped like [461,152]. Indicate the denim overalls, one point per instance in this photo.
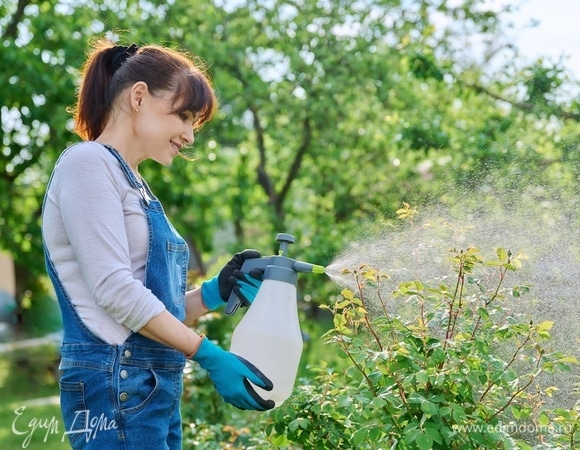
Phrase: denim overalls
[126,396]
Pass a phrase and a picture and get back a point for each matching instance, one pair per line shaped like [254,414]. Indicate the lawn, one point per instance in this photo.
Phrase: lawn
[29,412]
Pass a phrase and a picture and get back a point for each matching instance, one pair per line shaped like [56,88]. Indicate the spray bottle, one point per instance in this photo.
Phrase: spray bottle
[269,334]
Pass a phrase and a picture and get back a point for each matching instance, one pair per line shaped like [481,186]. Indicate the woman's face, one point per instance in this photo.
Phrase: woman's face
[161,131]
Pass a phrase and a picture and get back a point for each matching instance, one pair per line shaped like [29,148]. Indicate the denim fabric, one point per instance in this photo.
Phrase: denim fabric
[126,396]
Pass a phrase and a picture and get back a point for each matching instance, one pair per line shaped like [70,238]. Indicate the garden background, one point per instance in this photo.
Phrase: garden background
[381,133]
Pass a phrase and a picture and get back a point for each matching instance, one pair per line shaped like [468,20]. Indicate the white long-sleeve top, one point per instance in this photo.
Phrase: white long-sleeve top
[96,233]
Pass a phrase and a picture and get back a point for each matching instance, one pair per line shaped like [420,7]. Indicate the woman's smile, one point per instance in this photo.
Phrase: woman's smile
[176,147]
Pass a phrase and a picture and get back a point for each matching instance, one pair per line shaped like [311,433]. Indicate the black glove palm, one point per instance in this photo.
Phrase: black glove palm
[216,292]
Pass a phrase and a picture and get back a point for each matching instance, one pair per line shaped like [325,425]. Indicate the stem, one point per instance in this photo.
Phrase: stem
[502,273]
[373,332]
[359,368]
[518,392]
[422,313]
[366,316]
[383,304]
[423,330]
[461,282]
[451,305]
[491,382]
[387,316]
[359,285]
[475,328]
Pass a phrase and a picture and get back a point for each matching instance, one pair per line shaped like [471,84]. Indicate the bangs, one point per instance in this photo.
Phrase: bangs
[194,93]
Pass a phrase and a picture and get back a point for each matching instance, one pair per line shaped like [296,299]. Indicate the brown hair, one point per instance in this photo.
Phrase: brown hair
[105,75]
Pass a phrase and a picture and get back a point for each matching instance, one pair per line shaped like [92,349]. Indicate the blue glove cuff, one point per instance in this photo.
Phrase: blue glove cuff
[210,294]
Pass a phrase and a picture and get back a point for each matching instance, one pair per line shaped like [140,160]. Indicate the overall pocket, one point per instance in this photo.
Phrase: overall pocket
[137,386]
[86,399]
[74,409]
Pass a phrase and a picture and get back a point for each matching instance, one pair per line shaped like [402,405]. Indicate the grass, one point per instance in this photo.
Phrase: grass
[29,411]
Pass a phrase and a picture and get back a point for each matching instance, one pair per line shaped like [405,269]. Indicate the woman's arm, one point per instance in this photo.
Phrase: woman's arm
[168,330]
[194,306]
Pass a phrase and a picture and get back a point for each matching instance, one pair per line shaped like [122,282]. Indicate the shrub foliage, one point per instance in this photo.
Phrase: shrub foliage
[452,368]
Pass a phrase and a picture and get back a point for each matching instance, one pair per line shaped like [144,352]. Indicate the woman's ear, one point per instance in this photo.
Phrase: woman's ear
[137,93]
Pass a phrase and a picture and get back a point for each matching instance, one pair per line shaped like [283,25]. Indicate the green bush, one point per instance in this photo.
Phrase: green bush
[41,316]
[453,369]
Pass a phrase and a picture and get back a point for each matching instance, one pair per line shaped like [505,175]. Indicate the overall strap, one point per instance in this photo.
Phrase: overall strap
[143,189]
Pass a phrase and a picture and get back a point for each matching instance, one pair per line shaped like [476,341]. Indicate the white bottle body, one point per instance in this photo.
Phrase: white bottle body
[269,337]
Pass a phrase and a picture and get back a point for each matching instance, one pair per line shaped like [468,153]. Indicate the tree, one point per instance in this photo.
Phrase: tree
[331,114]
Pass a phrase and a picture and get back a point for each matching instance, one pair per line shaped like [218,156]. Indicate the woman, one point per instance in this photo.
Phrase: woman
[119,267]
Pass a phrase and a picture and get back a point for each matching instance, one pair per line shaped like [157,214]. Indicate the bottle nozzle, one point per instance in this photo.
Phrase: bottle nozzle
[303,267]
[318,269]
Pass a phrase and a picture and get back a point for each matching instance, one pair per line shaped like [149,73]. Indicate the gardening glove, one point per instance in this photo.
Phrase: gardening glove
[216,291]
[247,285]
[231,375]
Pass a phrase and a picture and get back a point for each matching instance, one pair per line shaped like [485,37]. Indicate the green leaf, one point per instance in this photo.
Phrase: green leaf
[279,440]
[429,408]
[568,360]
[433,433]
[411,434]
[444,411]
[422,377]
[359,436]
[378,402]
[347,294]
[483,312]
[546,325]
[424,442]
[438,356]
[462,336]
[502,254]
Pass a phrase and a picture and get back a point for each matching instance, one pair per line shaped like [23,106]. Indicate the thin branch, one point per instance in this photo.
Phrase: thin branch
[492,382]
[524,106]
[509,402]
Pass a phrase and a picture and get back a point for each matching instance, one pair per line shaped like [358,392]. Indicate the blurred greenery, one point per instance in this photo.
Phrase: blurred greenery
[331,115]
[29,408]
[41,317]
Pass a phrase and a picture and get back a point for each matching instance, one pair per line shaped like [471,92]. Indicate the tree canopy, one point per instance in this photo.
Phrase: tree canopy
[331,114]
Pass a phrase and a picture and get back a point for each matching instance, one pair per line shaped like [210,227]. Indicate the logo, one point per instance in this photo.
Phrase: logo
[30,427]
[21,427]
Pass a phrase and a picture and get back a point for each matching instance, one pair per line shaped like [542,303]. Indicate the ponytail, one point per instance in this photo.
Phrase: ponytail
[91,112]
[110,68]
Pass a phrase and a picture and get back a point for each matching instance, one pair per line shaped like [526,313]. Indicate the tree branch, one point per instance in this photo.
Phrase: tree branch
[295,167]
[524,106]
[12,28]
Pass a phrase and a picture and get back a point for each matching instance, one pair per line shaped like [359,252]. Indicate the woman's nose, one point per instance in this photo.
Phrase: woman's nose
[188,136]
